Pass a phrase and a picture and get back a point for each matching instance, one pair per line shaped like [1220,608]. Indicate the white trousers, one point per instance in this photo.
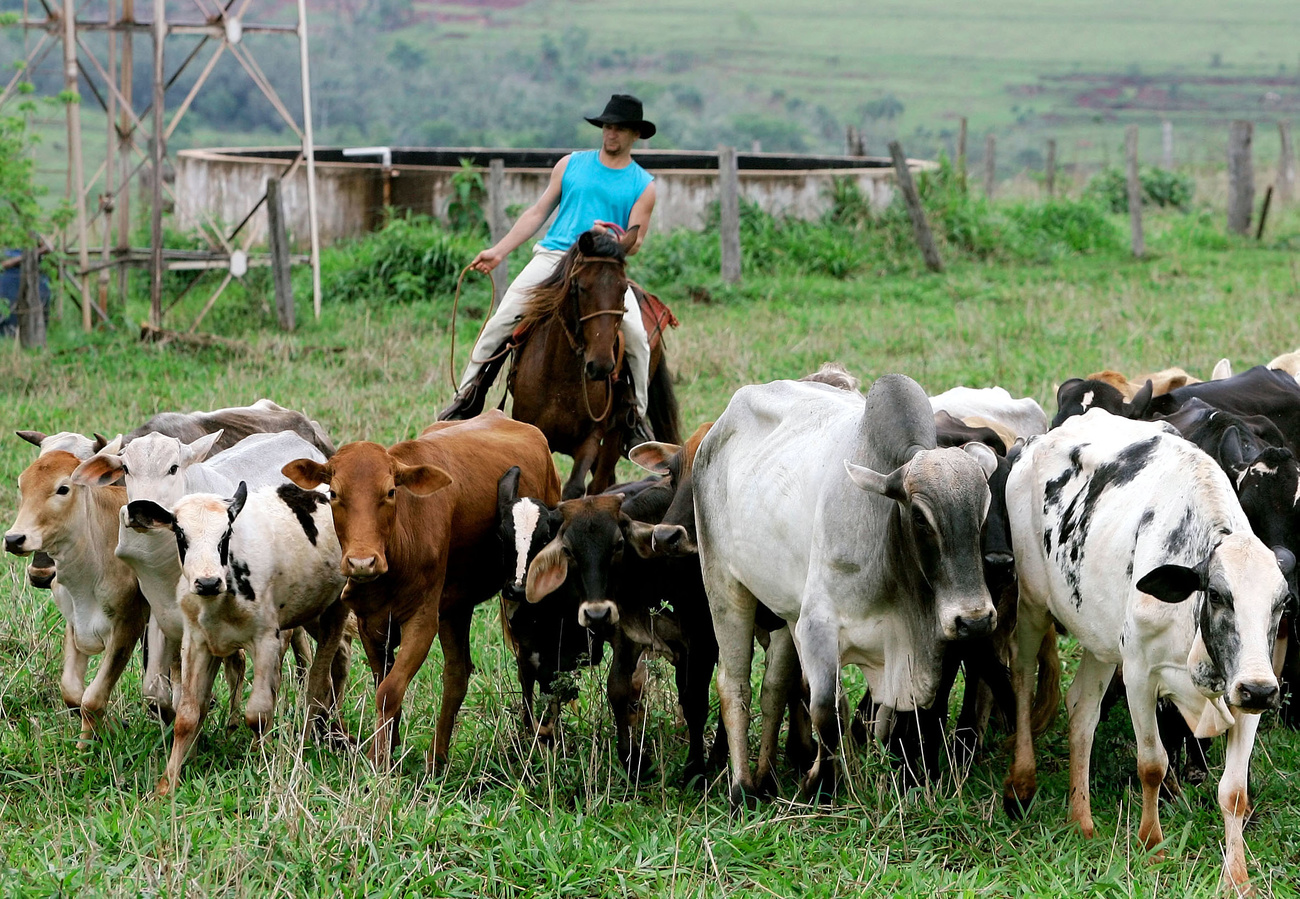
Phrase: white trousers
[636,345]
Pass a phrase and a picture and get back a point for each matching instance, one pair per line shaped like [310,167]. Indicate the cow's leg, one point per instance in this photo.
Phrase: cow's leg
[160,655]
[416,637]
[456,668]
[821,666]
[323,692]
[302,654]
[1084,702]
[199,669]
[693,676]
[584,457]
[233,669]
[1234,800]
[72,684]
[117,653]
[1031,623]
[1152,760]
[781,680]
[268,661]
[624,696]
[733,608]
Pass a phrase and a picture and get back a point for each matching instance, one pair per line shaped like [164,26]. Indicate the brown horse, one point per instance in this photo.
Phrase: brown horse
[569,378]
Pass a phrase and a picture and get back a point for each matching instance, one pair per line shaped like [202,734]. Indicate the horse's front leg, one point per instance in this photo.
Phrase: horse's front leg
[611,447]
[584,457]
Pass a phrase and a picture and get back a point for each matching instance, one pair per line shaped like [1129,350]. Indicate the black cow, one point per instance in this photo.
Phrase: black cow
[1076,396]
[1260,391]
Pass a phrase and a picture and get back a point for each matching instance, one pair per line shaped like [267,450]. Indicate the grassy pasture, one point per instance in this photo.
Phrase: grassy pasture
[509,820]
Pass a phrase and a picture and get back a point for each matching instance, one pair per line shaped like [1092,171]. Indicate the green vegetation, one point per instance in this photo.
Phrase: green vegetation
[1033,294]
[1168,190]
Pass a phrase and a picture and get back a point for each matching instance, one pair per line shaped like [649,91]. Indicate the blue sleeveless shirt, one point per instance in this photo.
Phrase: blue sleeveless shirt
[591,191]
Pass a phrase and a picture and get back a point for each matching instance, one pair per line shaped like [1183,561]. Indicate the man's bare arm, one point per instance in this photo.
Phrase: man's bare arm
[527,224]
[640,215]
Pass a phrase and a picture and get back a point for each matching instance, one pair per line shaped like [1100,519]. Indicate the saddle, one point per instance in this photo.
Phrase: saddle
[655,317]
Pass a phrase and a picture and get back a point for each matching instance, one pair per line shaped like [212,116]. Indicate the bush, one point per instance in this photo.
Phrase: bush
[412,258]
[1160,187]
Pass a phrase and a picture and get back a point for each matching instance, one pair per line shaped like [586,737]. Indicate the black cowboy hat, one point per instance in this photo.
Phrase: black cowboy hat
[625,110]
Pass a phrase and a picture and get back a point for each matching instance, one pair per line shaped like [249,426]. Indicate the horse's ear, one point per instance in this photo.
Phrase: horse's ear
[629,239]
[587,243]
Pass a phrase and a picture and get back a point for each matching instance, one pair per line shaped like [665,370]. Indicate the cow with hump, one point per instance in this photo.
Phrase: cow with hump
[1133,539]
[417,524]
[844,519]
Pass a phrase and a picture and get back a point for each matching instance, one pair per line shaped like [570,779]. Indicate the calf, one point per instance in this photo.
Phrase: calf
[40,571]
[96,593]
[1259,391]
[994,406]
[1161,381]
[1076,396]
[1133,539]
[417,525]
[163,469]
[253,568]
[234,424]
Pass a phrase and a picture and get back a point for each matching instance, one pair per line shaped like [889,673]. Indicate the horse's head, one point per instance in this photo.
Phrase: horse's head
[597,285]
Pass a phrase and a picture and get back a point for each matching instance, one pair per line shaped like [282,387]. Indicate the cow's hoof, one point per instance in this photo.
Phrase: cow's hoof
[164,787]
[1194,774]
[638,766]
[696,776]
[1016,803]
[744,798]
[820,787]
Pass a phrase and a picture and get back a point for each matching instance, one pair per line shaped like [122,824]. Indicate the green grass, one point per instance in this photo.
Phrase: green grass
[511,820]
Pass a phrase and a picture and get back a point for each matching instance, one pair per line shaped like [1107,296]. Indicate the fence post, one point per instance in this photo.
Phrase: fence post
[1134,189]
[278,240]
[1263,213]
[31,311]
[961,153]
[729,224]
[1051,167]
[1241,177]
[498,224]
[924,239]
[1285,166]
[990,165]
[1167,144]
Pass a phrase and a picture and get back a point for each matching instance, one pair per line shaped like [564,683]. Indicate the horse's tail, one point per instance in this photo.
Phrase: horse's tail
[661,405]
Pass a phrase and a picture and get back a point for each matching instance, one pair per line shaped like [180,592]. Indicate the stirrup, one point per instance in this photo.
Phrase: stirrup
[468,401]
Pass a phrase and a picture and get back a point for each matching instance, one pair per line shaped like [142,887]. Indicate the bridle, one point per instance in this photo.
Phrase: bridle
[577,346]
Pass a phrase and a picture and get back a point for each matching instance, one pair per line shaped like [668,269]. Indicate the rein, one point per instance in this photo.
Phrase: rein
[455,306]
[577,349]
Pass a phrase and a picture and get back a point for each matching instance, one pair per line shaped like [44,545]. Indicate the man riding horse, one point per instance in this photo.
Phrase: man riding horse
[602,187]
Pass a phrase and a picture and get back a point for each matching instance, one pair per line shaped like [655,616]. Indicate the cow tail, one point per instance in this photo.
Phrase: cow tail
[506,632]
[1047,696]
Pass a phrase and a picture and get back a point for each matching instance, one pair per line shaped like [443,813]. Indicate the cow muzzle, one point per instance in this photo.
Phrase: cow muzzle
[209,586]
[16,544]
[1255,696]
[673,540]
[599,613]
[971,625]
[364,569]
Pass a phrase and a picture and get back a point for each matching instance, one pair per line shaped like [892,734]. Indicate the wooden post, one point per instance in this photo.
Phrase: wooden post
[1241,177]
[77,188]
[309,153]
[498,223]
[1134,189]
[1050,177]
[278,240]
[106,198]
[756,146]
[124,147]
[31,311]
[924,239]
[1263,213]
[990,165]
[1285,166]
[961,153]
[159,139]
[1167,144]
[729,224]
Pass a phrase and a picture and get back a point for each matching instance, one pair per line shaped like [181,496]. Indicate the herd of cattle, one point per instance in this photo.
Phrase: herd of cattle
[1156,521]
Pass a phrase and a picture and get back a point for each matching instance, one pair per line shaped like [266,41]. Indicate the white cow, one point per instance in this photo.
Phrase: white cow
[163,469]
[844,519]
[96,592]
[1133,539]
[995,407]
[253,568]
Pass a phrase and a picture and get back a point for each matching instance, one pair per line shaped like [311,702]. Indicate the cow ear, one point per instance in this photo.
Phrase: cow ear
[1171,583]
[199,449]
[1222,370]
[33,437]
[306,473]
[1141,402]
[547,571]
[508,488]
[1231,456]
[237,504]
[1285,560]
[147,515]
[653,456]
[984,455]
[629,238]
[99,470]
[100,442]
[890,485]
[421,480]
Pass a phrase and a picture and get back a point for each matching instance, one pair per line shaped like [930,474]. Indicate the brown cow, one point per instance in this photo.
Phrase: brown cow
[419,558]
[1162,381]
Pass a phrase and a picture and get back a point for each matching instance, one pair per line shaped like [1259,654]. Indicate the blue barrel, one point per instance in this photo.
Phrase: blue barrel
[10,279]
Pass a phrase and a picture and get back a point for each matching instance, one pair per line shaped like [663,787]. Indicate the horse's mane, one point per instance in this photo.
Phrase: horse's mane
[550,297]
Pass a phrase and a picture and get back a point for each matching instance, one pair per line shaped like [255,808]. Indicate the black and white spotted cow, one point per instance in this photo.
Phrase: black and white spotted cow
[253,568]
[1134,540]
